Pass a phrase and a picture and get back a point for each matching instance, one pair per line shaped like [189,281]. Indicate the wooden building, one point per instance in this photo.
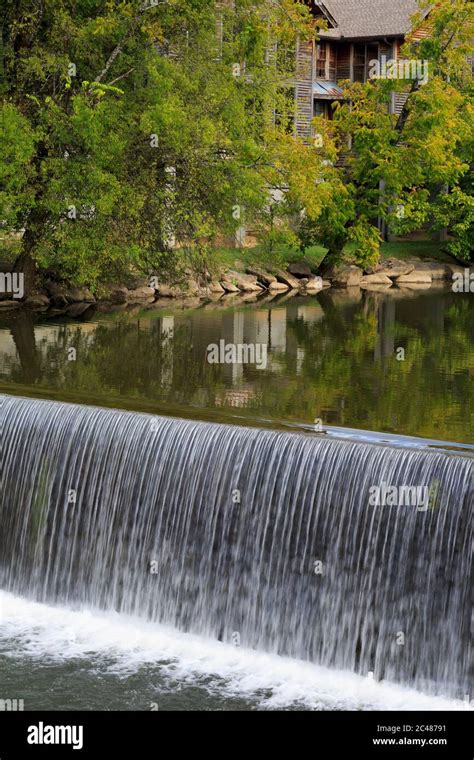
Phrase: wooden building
[358,32]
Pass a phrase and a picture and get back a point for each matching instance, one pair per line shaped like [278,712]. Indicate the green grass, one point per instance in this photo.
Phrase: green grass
[281,256]
[422,248]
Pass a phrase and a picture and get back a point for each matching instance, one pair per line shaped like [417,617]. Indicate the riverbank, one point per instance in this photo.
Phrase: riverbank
[247,280]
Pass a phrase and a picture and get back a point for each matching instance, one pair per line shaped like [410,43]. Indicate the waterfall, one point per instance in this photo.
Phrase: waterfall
[265,539]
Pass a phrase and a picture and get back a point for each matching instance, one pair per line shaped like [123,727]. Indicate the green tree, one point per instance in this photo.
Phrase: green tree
[134,124]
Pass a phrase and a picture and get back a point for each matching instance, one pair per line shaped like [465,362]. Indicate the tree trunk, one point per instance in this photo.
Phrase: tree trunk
[403,117]
[25,263]
[26,266]
[333,256]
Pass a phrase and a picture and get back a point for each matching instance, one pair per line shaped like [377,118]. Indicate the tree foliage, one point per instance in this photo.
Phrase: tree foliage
[414,168]
[132,125]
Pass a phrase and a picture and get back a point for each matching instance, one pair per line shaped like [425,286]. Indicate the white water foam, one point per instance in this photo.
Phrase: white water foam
[56,634]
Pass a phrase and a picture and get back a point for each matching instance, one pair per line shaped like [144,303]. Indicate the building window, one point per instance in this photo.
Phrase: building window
[359,63]
[363,55]
[322,108]
[321,60]
[325,61]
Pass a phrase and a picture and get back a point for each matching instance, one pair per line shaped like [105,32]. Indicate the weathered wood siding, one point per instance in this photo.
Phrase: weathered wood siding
[304,88]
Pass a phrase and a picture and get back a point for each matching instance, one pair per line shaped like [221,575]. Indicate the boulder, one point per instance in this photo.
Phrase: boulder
[300,269]
[316,283]
[375,279]
[37,302]
[262,275]
[169,291]
[57,291]
[7,305]
[55,288]
[192,288]
[79,295]
[345,276]
[117,294]
[229,287]
[244,282]
[278,287]
[437,269]
[391,268]
[216,287]
[287,278]
[414,277]
[141,294]
[440,284]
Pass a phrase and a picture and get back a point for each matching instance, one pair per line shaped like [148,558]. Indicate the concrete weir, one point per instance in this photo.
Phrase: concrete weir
[216,530]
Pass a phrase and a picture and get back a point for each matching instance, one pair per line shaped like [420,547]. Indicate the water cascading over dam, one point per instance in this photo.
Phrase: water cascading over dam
[221,530]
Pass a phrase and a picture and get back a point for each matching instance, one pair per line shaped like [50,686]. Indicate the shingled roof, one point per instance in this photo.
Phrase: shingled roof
[357,19]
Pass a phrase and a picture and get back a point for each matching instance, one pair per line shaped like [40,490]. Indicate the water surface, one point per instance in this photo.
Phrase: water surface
[331,358]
